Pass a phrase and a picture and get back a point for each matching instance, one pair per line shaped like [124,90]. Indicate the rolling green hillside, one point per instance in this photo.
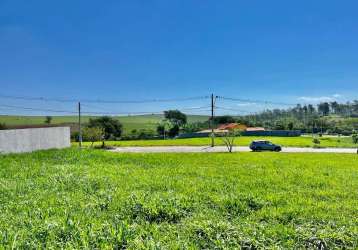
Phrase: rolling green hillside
[129,122]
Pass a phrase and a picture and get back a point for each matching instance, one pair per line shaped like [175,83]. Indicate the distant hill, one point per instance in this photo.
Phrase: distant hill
[129,122]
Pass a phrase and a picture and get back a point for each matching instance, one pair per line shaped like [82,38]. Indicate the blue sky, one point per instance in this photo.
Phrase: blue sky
[283,51]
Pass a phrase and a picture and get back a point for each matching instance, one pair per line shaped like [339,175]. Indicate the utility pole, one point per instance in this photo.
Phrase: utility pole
[212,121]
[79,125]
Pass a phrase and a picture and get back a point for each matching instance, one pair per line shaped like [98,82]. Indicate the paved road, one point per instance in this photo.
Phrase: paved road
[189,149]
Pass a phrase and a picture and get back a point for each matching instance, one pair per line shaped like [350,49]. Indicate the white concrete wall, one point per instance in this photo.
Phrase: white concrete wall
[27,140]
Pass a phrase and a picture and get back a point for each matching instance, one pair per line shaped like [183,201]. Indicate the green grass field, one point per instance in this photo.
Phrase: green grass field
[94,199]
[129,122]
[343,142]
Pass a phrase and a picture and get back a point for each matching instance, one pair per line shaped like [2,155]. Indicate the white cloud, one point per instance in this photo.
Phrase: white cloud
[337,96]
[318,99]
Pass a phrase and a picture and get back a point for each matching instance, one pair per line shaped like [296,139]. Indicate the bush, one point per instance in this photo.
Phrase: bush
[141,134]
[2,126]
[173,131]
[75,136]
[145,134]
[48,119]
[316,141]
[195,127]
[92,134]
[355,138]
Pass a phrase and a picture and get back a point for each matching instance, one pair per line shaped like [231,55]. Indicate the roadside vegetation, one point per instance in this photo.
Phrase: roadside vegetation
[95,199]
[302,141]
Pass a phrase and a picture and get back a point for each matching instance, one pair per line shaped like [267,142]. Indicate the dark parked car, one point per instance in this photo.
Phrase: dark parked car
[264,145]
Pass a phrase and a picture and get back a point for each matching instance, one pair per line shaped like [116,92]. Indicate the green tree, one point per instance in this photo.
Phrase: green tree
[311,109]
[175,117]
[334,107]
[48,119]
[163,128]
[112,128]
[279,125]
[92,134]
[224,119]
[290,125]
[323,108]
[174,130]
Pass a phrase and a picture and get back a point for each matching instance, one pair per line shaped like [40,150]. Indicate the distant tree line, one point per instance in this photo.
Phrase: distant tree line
[326,117]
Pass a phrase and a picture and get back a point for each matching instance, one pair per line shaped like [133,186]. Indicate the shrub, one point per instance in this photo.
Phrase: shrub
[48,119]
[316,142]
[355,137]
[141,134]
[173,131]
[92,134]
[145,134]
[2,126]
[75,136]
[229,138]
[195,126]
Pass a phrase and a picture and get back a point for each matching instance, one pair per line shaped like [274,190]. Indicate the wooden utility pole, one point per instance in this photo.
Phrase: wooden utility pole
[79,125]
[212,121]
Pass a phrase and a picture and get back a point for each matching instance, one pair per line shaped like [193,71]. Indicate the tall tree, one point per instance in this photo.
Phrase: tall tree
[110,126]
[48,119]
[311,109]
[334,107]
[175,117]
[223,119]
[323,108]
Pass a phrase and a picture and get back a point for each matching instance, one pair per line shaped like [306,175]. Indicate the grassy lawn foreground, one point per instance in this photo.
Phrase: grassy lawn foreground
[95,199]
[343,142]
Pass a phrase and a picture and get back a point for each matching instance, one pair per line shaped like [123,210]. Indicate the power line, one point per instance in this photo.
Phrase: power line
[46,99]
[256,101]
[95,112]
[95,107]
[185,108]
[37,109]
[232,109]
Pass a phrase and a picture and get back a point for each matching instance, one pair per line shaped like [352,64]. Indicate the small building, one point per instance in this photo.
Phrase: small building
[251,129]
[230,126]
[216,131]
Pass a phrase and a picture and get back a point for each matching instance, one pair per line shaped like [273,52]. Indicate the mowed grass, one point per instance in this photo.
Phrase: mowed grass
[302,141]
[94,199]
